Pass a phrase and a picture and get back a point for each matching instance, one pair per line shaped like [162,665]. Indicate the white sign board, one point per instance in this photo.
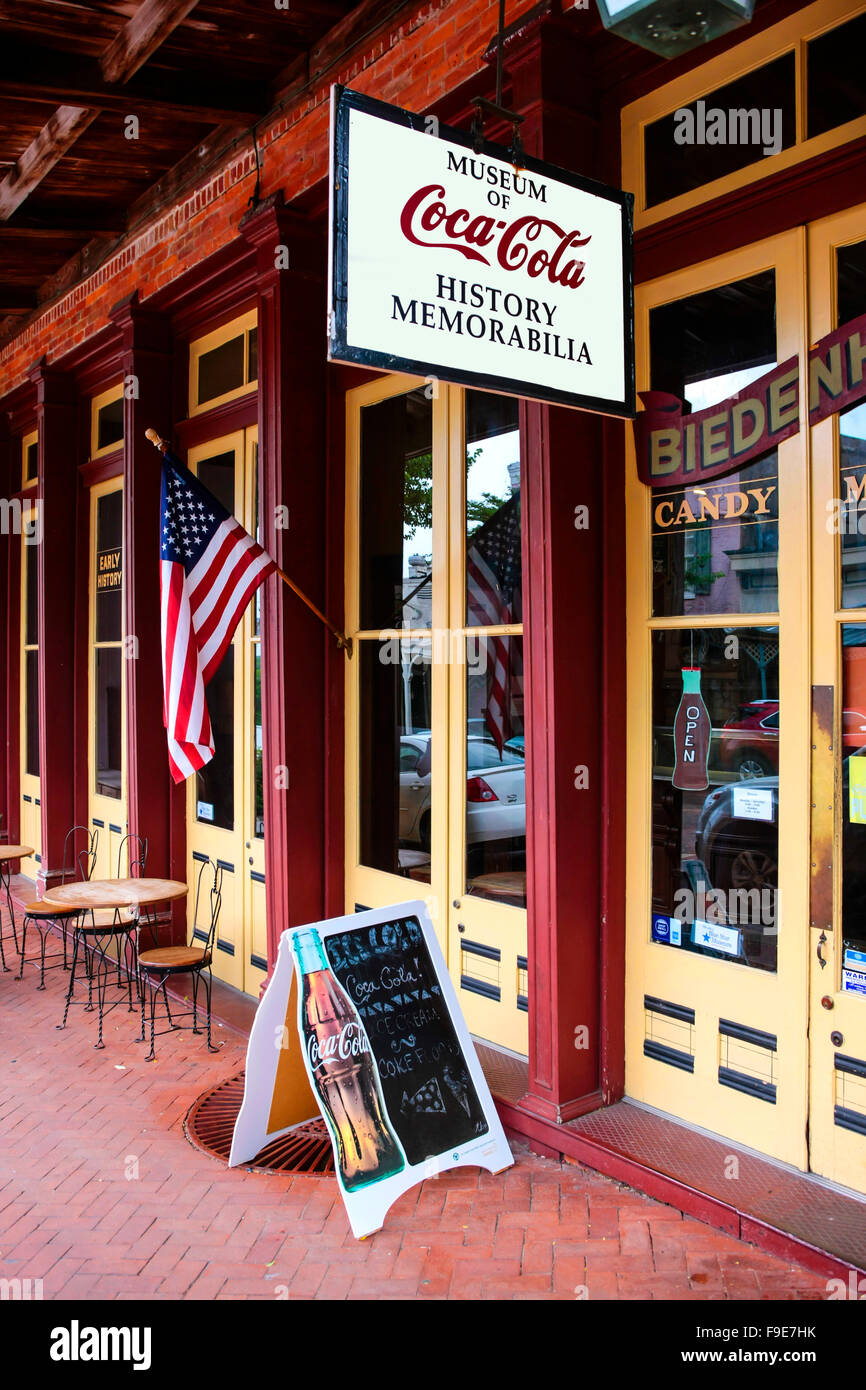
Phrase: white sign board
[361,1020]
[449,261]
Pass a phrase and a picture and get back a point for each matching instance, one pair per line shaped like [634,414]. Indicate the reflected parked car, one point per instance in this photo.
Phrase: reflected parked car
[749,742]
[495,791]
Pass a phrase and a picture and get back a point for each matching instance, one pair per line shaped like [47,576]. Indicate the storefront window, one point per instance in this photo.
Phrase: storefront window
[850,304]
[493,557]
[397,513]
[395,740]
[715,546]
[31,663]
[215,782]
[853,754]
[715,817]
[108,634]
[495,770]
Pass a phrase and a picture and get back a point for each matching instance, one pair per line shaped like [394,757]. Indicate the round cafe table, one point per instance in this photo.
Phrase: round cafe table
[110,895]
[8,855]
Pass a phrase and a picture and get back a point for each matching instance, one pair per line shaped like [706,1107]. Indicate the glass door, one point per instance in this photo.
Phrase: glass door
[435,786]
[717,868]
[107,722]
[225,804]
[837,1128]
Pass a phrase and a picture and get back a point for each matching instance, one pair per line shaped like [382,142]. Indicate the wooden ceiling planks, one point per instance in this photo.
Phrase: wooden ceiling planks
[70,75]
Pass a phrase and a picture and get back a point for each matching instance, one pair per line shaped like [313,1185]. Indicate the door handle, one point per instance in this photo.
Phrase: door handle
[822,941]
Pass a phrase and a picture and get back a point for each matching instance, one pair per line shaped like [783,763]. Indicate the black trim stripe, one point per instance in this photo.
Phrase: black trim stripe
[849,1119]
[852,1065]
[477,948]
[660,1052]
[361,907]
[27,798]
[256,876]
[523,1003]
[522,963]
[118,829]
[664,1006]
[259,962]
[749,1085]
[100,823]
[743,1033]
[226,946]
[199,857]
[225,866]
[480,987]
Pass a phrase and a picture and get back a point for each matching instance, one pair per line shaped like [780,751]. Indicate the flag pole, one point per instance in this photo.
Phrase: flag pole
[342,640]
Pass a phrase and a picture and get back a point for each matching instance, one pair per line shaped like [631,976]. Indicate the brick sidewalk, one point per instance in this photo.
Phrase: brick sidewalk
[102,1197]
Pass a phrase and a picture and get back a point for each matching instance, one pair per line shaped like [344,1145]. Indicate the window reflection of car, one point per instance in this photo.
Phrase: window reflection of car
[749,742]
[495,790]
[741,852]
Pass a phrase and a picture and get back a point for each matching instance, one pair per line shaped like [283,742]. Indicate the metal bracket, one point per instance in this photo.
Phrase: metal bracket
[483,108]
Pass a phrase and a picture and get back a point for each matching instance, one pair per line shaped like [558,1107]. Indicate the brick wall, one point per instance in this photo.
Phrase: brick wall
[436,48]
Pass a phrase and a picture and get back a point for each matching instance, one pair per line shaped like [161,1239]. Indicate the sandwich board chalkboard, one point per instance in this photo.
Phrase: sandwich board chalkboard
[387,1059]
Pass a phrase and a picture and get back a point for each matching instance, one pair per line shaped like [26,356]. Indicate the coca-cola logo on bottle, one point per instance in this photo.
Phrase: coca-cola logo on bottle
[425,212]
[351,1041]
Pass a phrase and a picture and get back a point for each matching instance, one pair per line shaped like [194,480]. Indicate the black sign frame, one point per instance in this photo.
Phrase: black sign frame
[345,100]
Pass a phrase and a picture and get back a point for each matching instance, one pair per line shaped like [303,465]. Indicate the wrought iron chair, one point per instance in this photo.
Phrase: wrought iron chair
[76,861]
[157,966]
[96,930]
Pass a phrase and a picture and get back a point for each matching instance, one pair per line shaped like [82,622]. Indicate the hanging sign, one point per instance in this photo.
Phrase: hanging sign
[674,449]
[361,1022]
[692,731]
[449,261]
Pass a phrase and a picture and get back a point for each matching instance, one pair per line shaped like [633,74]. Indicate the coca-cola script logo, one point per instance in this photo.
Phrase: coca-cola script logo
[351,1041]
[425,211]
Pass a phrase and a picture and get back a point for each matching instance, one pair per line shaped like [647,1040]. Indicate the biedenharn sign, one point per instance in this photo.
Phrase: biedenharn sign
[449,262]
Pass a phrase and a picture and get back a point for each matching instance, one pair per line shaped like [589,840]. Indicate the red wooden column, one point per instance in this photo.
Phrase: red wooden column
[292,374]
[562,464]
[57,419]
[155,810]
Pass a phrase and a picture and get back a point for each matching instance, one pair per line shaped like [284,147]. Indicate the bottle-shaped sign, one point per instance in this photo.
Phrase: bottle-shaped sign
[343,1069]
[692,731]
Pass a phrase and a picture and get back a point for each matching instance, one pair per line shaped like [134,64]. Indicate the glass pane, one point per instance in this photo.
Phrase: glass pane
[253,350]
[850,304]
[31,606]
[394,800]
[715,794]
[215,782]
[836,90]
[258,789]
[396,545]
[31,713]
[257,532]
[492,511]
[495,770]
[109,424]
[218,476]
[221,369]
[715,546]
[108,731]
[737,125]
[31,461]
[854,807]
[109,567]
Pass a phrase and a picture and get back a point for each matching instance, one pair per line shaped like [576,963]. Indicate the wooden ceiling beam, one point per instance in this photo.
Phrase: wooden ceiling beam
[17,301]
[194,99]
[41,155]
[139,39]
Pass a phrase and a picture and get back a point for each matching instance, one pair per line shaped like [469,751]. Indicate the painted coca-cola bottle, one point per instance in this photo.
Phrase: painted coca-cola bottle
[343,1069]
[692,730]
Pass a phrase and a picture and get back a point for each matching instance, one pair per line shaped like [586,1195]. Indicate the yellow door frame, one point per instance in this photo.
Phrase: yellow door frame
[30,785]
[836,1152]
[105,813]
[774,1003]
[454,913]
[240,958]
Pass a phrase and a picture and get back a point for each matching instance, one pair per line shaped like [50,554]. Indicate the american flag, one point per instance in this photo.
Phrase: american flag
[493,599]
[209,569]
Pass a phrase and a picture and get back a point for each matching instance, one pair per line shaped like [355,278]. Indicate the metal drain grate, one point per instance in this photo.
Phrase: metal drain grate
[210,1123]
